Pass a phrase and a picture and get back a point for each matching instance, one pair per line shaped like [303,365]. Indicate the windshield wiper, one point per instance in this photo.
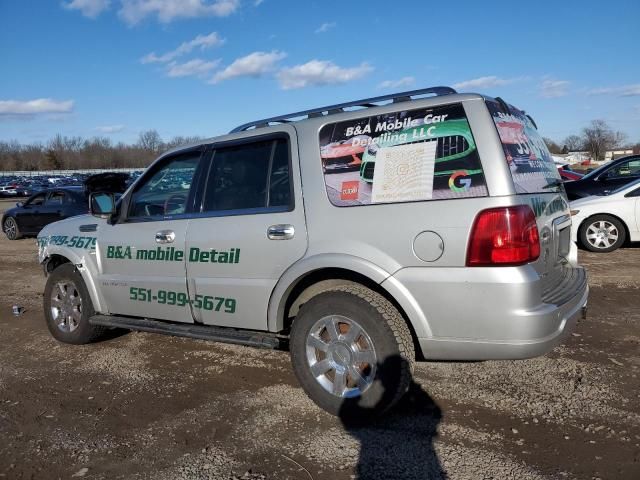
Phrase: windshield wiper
[553,184]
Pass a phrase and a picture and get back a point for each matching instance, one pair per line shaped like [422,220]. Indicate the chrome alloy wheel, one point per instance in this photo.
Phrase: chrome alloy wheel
[341,356]
[66,305]
[10,228]
[602,234]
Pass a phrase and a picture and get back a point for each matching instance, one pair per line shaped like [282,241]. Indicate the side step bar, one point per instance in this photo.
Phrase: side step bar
[203,332]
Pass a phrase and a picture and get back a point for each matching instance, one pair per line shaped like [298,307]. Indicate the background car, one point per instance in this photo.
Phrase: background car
[8,191]
[569,175]
[608,177]
[604,222]
[43,208]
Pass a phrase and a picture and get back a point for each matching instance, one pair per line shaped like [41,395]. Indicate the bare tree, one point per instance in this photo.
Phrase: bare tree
[620,139]
[552,146]
[573,143]
[150,141]
[598,138]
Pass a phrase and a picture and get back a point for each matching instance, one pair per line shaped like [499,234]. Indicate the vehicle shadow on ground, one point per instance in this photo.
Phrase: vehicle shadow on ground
[400,444]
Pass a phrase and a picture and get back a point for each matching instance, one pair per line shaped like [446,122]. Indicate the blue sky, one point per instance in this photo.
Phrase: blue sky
[200,67]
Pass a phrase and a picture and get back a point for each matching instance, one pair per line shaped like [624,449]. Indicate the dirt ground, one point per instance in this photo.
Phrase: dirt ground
[147,406]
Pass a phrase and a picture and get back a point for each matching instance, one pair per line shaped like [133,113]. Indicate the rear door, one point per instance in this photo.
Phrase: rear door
[251,228]
[538,182]
[52,210]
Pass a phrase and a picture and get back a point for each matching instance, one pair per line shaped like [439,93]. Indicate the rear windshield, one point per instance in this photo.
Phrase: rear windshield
[532,166]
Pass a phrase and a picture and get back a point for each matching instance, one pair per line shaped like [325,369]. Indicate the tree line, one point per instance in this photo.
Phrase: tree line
[77,153]
[596,139]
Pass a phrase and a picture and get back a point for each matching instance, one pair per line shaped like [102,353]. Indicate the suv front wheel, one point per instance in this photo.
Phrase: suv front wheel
[68,307]
[352,352]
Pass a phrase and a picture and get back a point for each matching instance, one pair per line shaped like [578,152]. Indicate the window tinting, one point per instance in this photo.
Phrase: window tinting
[166,191]
[239,177]
[280,186]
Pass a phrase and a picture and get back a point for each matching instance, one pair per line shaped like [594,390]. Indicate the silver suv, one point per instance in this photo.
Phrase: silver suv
[426,224]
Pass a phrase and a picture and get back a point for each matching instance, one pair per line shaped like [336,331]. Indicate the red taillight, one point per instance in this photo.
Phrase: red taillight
[504,236]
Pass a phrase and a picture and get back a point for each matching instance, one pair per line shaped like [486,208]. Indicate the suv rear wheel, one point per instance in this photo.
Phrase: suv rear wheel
[68,307]
[352,352]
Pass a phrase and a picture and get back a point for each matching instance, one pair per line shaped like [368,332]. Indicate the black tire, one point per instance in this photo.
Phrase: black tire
[11,229]
[609,226]
[391,343]
[78,330]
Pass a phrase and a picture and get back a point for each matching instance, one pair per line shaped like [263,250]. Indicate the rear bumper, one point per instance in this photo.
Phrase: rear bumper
[488,317]
[468,349]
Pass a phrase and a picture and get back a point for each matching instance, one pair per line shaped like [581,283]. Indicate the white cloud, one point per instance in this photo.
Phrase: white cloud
[400,83]
[320,72]
[134,11]
[110,128]
[484,82]
[623,91]
[201,41]
[35,107]
[88,8]
[255,64]
[195,67]
[554,88]
[325,27]
[257,3]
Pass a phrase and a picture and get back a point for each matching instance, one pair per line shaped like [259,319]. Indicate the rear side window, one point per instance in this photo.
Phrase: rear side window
[250,176]
[402,156]
[532,166]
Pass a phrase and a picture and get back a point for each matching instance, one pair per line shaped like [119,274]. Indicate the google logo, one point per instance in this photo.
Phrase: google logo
[463,184]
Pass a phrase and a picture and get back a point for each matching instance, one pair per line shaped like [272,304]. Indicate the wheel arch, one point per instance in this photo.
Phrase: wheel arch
[311,277]
[54,259]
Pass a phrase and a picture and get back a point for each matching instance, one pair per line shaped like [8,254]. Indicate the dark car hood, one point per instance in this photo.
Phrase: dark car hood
[112,182]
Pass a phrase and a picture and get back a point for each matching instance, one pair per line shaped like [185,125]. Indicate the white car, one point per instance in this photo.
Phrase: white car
[8,191]
[602,223]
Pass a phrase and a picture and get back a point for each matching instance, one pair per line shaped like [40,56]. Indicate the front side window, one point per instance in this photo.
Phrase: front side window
[166,191]
[56,198]
[249,176]
[630,169]
[402,156]
[37,200]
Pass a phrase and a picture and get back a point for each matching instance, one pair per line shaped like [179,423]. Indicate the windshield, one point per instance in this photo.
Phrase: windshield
[532,166]
[595,172]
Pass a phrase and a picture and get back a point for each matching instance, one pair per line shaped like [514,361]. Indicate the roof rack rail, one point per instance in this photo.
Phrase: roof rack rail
[338,108]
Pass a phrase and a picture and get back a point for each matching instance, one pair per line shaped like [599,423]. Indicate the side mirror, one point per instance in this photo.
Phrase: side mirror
[102,204]
[19,204]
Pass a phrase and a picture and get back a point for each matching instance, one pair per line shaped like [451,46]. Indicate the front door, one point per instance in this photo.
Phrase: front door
[251,228]
[141,257]
[29,216]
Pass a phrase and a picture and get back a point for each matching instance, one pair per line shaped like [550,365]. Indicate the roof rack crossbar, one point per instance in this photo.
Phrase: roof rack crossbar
[331,109]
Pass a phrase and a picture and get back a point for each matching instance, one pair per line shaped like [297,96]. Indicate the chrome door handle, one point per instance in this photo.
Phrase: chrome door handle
[280,232]
[165,236]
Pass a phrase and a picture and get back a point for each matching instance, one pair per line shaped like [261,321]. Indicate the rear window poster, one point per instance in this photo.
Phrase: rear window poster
[532,166]
[401,157]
